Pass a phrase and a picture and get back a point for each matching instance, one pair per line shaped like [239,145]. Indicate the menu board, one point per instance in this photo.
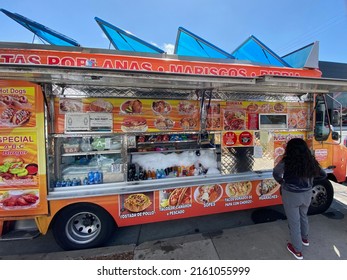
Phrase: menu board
[22,162]
[280,142]
[161,115]
[130,115]
[196,201]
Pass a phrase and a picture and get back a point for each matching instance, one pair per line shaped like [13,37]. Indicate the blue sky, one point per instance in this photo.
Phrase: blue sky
[283,26]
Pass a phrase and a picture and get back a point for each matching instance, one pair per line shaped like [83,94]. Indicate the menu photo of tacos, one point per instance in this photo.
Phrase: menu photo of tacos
[238,189]
[172,198]
[267,187]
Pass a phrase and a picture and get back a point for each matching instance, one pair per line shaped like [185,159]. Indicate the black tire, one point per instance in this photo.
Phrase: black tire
[82,226]
[322,197]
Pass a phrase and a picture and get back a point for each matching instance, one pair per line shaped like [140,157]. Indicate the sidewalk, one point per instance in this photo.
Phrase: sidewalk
[265,241]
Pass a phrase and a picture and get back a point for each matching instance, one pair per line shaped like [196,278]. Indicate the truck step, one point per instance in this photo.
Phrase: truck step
[20,235]
[19,230]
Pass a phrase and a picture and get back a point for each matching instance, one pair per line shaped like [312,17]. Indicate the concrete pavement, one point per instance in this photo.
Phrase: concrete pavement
[264,241]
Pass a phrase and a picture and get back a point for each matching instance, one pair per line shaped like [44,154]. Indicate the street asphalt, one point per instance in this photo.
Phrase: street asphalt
[262,241]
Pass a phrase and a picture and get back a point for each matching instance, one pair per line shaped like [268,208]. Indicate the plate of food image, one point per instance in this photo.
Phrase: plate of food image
[164,123]
[175,197]
[137,202]
[161,107]
[267,187]
[238,188]
[19,199]
[134,124]
[208,194]
[186,108]
[188,123]
[101,105]
[279,107]
[131,107]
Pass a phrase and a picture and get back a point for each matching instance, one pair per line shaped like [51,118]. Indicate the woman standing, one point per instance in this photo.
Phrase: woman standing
[296,172]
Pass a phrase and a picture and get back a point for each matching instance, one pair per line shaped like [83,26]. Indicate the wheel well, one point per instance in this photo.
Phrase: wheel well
[81,205]
[332,177]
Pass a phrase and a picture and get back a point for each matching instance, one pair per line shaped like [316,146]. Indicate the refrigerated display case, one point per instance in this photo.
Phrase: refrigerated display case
[86,159]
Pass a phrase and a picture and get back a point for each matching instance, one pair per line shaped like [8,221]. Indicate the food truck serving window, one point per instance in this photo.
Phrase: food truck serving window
[273,121]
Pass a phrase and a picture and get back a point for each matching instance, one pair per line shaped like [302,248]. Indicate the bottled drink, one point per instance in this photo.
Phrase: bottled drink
[68,183]
[97,177]
[85,181]
[158,176]
[90,177]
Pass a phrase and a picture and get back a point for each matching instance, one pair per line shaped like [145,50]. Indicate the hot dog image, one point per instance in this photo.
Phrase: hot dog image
[21,117]
[14,110]
[176,197]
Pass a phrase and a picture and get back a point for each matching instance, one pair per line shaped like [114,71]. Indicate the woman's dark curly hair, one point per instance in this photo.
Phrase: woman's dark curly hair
[299,160]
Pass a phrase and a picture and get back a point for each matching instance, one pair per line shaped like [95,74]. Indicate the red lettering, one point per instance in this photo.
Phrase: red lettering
[223,72]
[80,61]
[188,69]
[121,64]
[34,59]
[7,57]
[134,66]
[53,60]
[264,72]
[198,70]
[214,71]
[176,68]
[243,72]
[68,61]
[19,59]
[146,66]
[107,64]
[233,72]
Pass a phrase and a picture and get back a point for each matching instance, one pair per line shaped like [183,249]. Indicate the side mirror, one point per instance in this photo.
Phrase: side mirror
[336,118]
[335,135]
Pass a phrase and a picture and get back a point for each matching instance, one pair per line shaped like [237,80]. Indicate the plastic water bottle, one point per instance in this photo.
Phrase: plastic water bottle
[85,181]
[68,183]
[91,177]
[74,182]
[97,179]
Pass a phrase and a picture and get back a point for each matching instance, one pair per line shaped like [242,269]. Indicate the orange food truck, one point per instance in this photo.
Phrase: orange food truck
[92,139]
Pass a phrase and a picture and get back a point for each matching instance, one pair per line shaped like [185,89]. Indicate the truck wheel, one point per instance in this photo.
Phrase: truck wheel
[322,197]
[82,226]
